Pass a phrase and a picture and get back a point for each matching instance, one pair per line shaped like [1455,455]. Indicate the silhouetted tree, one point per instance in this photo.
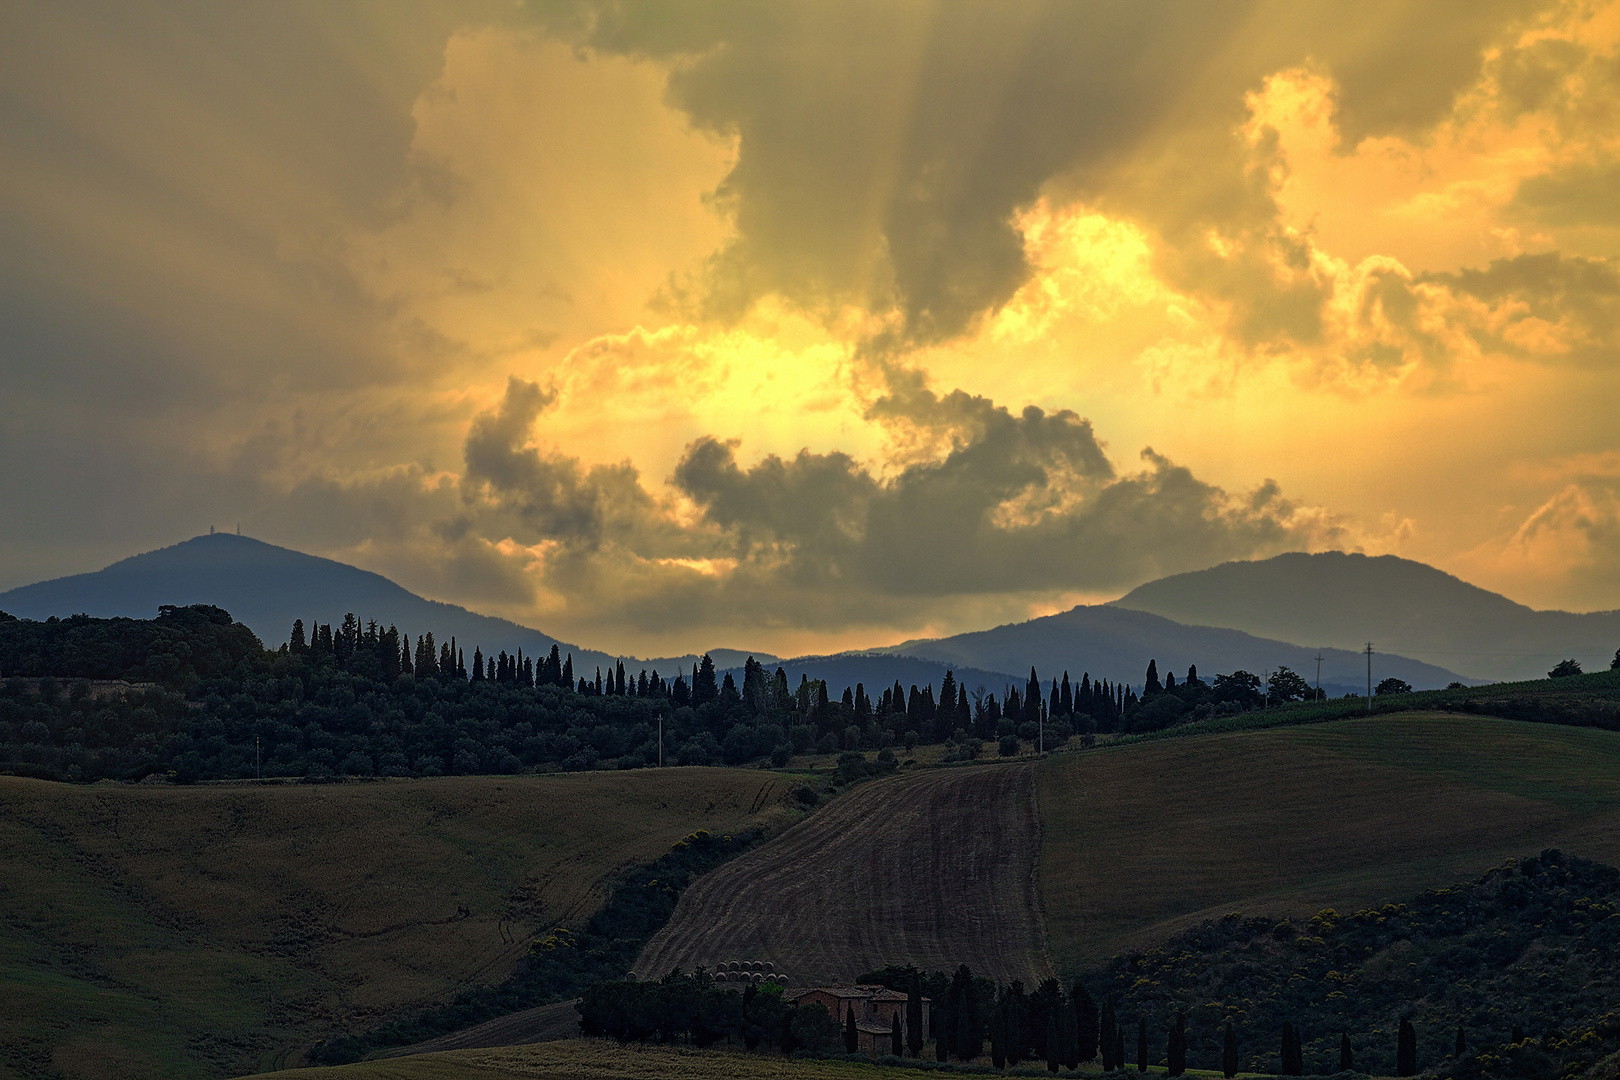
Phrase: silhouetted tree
[1229,1053]
[1176,1059]
[1293,1056]
[1141,1044]
[704,688]
[1406,1049]
[1085,1016]
[1106,1035]
[852,1037]
[1347,1058]
[1462,1042]
[1565,668]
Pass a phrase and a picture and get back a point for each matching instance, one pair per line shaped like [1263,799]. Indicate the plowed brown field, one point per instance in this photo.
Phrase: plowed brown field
[934,869]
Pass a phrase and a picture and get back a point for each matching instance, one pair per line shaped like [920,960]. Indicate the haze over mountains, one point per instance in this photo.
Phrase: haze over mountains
[1405,607]
[266,587]
[1113,642]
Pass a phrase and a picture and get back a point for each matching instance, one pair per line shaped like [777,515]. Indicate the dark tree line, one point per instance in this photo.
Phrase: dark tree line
[360,699]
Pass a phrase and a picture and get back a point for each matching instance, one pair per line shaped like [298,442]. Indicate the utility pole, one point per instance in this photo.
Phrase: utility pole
[1318,674]
[1369,678]
[660,740]
[257,772]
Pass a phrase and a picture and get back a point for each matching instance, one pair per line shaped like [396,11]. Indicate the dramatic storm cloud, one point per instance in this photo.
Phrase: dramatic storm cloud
[811,324]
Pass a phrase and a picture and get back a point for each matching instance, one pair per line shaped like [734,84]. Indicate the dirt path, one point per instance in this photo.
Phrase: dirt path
[934,869]
[544,1024]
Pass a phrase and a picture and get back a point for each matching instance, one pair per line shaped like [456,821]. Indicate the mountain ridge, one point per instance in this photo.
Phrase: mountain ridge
[210,569]
[1343,599]
[266,587]
[1120,642]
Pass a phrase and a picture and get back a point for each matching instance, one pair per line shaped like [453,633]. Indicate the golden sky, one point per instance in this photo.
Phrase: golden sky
[809,325]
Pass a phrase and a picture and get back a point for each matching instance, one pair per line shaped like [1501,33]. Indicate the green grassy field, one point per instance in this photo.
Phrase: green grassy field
[1141,840]
[600,1059]
[205,931]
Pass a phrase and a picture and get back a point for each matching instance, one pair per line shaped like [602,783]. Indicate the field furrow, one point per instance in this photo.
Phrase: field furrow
[934,869]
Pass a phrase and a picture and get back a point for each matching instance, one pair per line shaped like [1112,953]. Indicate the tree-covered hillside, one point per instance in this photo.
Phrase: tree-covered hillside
[1521,961]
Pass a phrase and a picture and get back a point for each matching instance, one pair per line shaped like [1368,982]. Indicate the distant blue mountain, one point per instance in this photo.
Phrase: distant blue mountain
[265,588]
[1116,644]
[1405,607]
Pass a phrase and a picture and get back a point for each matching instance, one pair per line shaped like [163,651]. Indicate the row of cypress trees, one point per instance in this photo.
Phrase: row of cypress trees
[1291,1055]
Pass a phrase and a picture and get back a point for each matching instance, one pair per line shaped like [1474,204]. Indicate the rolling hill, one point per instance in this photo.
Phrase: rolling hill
[1137,842]
[1405,607]
[935,868]
[1141,841]
[266,587]
[1116,643]
[158,931]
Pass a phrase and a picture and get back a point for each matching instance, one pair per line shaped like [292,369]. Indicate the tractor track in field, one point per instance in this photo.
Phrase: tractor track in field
[934,868]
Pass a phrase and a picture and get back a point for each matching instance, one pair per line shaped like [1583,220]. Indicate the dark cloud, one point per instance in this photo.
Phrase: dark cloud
[1584,194]
[1016,503]
[1580,296]
[884,148]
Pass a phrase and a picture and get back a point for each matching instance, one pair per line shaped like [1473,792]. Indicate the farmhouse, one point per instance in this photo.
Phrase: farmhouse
[875,1009]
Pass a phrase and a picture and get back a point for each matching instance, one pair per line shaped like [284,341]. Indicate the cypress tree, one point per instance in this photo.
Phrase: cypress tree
[1347,1058]
[1518,1035]
[1069,1029]
[852,1038]
[964,711]
[1176,1063]
[295,643]
[1066,696]
[704,687]
[1150,684]
[1141,1044]
[1293,1063]
[969,1019]
[1462,1043]
[914,1024]
[1054,1036]
[1085,1016]
[1106,1036]
[1229,1054]
[568,671]
[1406,1049]
[406,667]
[998,1033]
[947,696]
[897,1037]
[1119,1047]
[478,664]
[1032,697]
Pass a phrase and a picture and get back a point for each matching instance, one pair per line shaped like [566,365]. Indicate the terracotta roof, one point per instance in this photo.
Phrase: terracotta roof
[872,1028]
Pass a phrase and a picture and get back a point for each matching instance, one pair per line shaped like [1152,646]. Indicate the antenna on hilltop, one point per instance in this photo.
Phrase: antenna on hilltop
[1318,674]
